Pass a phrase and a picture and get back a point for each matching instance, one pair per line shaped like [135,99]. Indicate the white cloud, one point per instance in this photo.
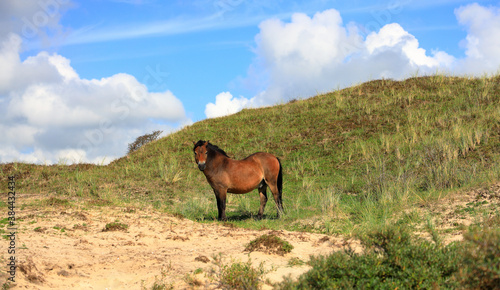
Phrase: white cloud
[298,54]
[310,55]
[482,44]
[225,105]
[394,37]
[49,113]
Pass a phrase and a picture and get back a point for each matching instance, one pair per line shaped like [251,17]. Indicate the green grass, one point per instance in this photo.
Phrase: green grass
[354,160]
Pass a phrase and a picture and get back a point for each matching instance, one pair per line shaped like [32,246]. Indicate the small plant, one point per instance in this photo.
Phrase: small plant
[239,275]
[82,227]
[54,201]
[115,226]
[129,210]
[192,281]
[295,262]
[4,222]
[270,244]
[159,283]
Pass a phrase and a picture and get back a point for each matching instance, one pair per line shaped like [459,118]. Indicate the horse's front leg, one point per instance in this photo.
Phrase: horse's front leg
[220,195]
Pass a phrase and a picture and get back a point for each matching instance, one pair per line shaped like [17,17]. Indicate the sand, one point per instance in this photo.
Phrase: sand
[66,247]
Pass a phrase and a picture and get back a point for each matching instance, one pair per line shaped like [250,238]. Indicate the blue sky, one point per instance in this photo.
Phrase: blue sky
[82,79]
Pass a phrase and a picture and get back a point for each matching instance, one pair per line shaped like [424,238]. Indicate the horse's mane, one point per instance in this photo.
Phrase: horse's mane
[211,147]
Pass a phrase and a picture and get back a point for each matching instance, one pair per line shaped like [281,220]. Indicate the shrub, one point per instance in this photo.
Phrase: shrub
[481,252]
[143,140]
[239,275]
[393,259]
[270,244]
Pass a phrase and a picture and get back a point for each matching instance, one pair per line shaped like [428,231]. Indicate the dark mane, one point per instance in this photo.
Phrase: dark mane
[215,148]
[211,147]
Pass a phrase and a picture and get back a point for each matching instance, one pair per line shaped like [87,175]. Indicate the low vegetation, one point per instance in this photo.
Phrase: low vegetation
[270,244]
[143,140]
[396,259]
[115,226]
[366,157]
[237,275]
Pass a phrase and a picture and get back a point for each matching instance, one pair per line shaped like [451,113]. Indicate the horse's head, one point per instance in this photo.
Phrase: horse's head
[201,153]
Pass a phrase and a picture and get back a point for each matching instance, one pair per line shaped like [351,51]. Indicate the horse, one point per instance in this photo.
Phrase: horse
[259,170]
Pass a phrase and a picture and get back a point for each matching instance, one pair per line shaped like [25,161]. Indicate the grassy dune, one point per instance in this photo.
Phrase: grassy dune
[354,160]
[351,158]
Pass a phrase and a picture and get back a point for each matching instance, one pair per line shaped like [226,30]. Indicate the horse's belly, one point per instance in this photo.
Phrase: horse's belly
[244,175]
[241,190]
[244,187]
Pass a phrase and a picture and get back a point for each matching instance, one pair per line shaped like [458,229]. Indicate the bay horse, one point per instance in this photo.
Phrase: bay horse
[259,170]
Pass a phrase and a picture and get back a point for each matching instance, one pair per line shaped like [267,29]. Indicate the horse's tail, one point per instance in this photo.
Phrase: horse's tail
[280,188]
[280,178]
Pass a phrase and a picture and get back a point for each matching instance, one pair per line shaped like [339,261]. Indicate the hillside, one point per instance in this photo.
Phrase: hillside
[353,159]
[387,142]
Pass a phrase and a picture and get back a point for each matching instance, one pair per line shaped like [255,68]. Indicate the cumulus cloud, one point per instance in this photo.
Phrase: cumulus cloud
[226,104]
[482,43]
[49,113]
[320,53]
[310,55]
[392,37]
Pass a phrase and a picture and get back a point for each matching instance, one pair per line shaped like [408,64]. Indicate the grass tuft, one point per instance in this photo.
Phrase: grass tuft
[237,275]
[270,244]
[115,226]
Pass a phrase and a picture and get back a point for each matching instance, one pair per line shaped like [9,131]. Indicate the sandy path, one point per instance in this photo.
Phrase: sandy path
[68,249]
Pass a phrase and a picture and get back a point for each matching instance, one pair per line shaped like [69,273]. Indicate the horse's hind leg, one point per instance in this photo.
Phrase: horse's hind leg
[263,198]
[277,198]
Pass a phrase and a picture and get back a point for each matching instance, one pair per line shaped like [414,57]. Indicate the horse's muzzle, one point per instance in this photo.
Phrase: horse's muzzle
[201,166]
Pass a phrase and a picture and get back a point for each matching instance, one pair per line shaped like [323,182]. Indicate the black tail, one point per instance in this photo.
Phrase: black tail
[280,189]
[280,178]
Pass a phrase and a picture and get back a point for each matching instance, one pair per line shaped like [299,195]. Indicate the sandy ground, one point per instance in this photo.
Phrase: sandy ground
[66,248]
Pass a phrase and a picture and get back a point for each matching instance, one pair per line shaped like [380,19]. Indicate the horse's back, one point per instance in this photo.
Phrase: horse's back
[266,161]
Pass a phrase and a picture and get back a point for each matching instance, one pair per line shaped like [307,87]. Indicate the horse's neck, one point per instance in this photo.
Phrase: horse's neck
[216,160]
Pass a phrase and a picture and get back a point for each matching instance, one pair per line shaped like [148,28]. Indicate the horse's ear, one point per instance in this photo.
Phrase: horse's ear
[206,143]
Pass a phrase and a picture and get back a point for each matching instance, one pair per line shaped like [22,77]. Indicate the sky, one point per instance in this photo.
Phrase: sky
[80,80]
